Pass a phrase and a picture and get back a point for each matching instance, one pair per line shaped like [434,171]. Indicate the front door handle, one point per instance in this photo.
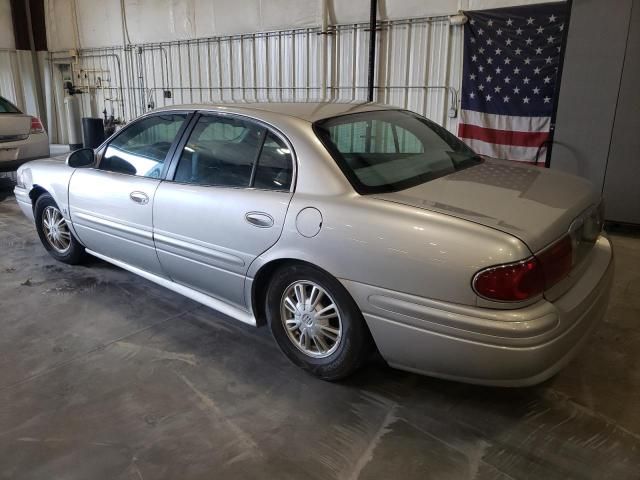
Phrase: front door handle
[259,219]
[139,197]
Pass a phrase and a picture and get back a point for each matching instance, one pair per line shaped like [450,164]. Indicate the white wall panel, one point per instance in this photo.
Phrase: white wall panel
[6,26]
[225,17]
[26,79]
[9,80]
[17,79]
[158,20]
[486,4]
[353,11]
[211,51]
[100,23]
[59,18]
[398,9]
[418,63]
[280,14]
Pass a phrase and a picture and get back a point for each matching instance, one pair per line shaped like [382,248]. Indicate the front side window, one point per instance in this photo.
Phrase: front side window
[390,150]
[141,149]
[233,152]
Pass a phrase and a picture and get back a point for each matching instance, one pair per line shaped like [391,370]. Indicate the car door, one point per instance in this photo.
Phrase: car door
[223,204]
[111,205]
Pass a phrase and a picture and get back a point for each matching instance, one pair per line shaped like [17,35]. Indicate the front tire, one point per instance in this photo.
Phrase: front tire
[316,323]
[54,232]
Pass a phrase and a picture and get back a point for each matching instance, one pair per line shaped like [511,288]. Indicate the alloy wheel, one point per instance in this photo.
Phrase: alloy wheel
[311,319]
[56,230]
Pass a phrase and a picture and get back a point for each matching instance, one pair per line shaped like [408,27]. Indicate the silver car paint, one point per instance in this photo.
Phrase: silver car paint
[14,125]
[211,251]
[48,174]
[17,144]
[126,235]
[533,204]
[478,345]
[381,243]
[388,245]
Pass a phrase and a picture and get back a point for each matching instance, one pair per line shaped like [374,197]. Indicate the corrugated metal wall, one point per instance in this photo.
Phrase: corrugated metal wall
[11,77]
[418,67]
[18,79]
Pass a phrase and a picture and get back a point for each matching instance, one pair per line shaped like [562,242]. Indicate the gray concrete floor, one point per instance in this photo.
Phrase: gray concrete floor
[104,375]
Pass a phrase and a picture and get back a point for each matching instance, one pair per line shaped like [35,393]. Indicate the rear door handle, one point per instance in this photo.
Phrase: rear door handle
[139,197]
[259,219]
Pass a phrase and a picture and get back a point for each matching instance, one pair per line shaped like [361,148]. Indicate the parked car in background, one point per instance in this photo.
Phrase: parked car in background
[344,227]
[22,137]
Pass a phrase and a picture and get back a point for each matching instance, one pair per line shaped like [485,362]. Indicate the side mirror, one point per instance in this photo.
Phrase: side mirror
[81,158]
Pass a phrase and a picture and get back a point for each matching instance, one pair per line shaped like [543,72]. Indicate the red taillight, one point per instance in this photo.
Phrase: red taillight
[520,281]
[36,125]
[510,283]
[556,261]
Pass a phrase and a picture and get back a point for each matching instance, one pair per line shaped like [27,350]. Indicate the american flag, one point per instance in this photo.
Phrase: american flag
[511,58]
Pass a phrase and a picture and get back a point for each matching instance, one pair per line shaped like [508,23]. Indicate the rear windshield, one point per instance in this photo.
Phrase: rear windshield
[390,150]
[7,107]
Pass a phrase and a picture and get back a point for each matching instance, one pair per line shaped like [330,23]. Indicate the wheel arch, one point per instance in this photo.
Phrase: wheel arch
[59,196]
[261,282]
[36,192]
[347,357]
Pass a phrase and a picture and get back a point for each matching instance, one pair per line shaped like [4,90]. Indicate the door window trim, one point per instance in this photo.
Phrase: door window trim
[101,150]
[179,147]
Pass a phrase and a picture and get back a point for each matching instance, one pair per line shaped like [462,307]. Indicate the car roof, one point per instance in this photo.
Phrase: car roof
[307,111]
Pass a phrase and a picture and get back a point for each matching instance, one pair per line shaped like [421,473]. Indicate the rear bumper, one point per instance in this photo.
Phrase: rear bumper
[14,154]
[487,346]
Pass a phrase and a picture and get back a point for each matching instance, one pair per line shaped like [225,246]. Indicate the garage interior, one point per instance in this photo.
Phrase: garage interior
[106,375]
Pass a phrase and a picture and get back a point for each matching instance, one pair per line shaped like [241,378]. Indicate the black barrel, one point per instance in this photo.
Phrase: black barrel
[92,132]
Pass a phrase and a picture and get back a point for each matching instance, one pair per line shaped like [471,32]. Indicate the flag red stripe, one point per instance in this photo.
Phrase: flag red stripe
[502,137]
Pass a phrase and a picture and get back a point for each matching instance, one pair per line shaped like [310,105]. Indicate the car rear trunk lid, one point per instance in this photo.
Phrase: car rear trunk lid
[14,126]
[536,205]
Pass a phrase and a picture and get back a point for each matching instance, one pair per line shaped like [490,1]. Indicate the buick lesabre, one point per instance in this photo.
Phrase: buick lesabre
[345,228]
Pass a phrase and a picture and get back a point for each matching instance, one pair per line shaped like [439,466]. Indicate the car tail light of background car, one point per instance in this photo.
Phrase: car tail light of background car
[36,125]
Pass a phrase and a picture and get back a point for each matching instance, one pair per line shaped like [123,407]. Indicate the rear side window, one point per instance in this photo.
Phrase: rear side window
[275,165]
[142,147]
[7,107]
[232,152]
[220,151]
[390,150]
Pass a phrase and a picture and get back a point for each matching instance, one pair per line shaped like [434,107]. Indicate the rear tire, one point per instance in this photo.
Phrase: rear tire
[54,232]
[316,323]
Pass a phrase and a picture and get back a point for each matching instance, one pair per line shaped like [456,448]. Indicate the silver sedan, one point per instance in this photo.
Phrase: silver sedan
[22,137]
[346,228]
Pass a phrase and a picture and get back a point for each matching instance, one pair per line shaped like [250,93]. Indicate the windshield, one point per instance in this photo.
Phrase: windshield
[390,150]
[7,107]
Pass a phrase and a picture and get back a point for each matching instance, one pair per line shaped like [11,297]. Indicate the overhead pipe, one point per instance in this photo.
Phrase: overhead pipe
[373,25]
